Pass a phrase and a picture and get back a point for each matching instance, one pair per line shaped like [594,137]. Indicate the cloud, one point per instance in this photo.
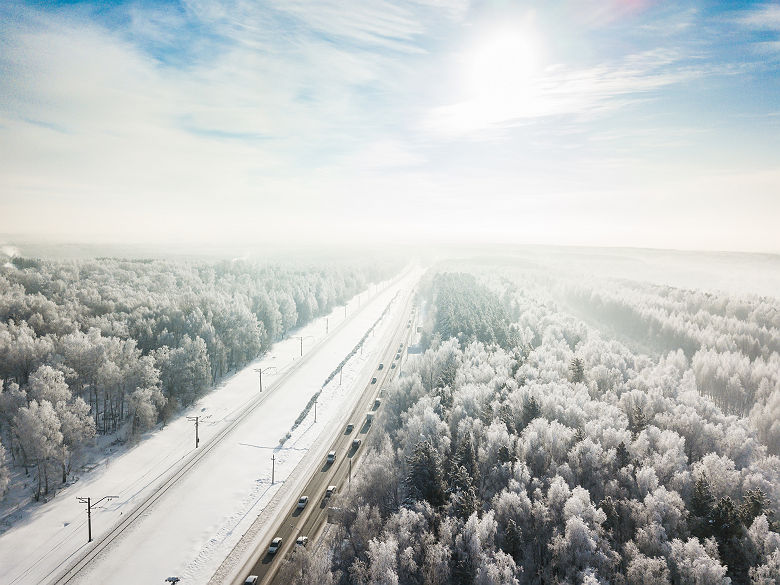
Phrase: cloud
[369,24]
[766,17]
[602,13]
[284,119]
[563,91]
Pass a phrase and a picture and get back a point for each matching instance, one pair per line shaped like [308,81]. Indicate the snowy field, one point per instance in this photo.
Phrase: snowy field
[193,527]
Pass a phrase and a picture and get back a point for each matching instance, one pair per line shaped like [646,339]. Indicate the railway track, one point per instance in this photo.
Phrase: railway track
[181,470]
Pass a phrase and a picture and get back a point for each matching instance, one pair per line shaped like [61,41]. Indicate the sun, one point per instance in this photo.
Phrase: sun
[503,62]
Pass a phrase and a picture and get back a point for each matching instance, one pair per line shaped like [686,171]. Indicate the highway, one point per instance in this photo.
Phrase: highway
[293,522]
[161,516]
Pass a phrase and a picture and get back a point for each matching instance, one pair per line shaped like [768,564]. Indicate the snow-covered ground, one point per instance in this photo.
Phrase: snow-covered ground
[192,528]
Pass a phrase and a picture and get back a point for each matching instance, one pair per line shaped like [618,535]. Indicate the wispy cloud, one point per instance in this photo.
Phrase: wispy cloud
[229,117]
[766,17]
[562,91]
[601,13]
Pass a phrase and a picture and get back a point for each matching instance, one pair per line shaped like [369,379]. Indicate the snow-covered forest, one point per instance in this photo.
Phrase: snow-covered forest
[113,347]
[565,429]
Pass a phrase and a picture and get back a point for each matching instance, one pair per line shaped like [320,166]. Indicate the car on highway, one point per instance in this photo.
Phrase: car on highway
[330,491]
[302,502]
[369,417]
[377,403]
[275,544]
[398,356]
[302,540]
[381,365]
[251,580]
[350,426]
[373,380]
[356,443]
[392,366]
[331,457]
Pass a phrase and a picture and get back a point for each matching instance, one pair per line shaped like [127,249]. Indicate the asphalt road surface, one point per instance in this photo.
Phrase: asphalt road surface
[294,522]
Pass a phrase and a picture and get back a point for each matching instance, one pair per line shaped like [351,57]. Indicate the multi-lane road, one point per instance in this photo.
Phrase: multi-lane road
[293,522]
[185,511]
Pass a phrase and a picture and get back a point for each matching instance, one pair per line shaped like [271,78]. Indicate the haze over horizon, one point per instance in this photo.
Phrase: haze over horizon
[597,123]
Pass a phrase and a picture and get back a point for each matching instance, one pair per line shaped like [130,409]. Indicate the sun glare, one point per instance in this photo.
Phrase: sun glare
[503,62]
[499,76]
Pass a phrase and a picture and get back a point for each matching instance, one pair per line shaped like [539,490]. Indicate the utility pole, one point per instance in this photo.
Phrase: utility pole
[302,337]
[90,505]
[197,439]
[273,461]
[269,369]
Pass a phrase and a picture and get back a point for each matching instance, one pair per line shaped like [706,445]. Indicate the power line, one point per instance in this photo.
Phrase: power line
[90,505]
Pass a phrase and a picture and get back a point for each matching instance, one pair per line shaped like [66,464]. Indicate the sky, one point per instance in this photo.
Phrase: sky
[573,122]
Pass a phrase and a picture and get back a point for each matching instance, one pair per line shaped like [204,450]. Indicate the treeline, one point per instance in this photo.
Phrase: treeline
[111,345]
[566,459]
[467,310]
[686,319]
[733,342]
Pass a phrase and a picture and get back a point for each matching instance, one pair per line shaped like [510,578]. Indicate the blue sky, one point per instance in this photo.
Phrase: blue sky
[597,122]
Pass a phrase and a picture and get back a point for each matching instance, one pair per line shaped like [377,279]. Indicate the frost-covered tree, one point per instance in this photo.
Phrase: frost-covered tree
[37,429]
[692,564]
[648,471]
[768,573]
[4,475]
[644,570]
[382,557]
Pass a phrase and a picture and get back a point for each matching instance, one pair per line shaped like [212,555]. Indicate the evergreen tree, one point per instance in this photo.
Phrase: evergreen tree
[577,370]
[531,410]
[426,479]
[513,539]
[467,458]
[754,503]
[725,519]
[702,500]
[637,421]
[463,494]
[622,455]
[506,416]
